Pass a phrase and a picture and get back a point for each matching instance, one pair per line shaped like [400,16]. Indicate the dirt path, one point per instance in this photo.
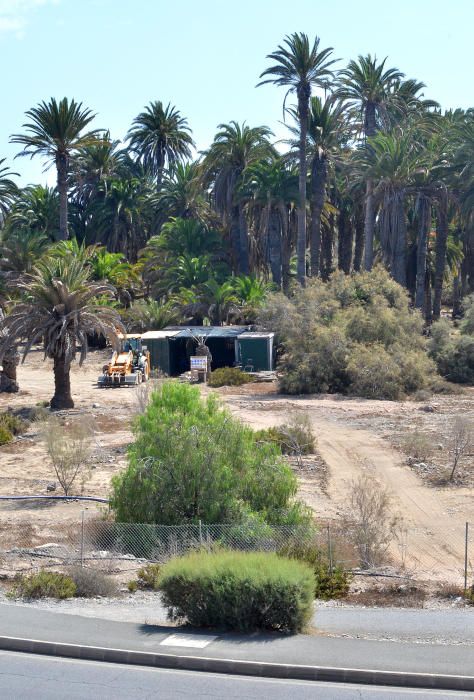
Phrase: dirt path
[432,536]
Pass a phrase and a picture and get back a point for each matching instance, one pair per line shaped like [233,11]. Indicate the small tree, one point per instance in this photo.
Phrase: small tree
[370,520]
[192,460]
[69,449]
[460,442]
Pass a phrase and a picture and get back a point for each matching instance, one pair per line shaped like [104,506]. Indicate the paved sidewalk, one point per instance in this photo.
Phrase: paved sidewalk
[316,649]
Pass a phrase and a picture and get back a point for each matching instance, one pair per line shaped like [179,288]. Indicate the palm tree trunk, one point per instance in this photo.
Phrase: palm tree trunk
[457,302]
[62,171]
[359,239]
[318,190]
[440,259]
[235,238]
[327,249]
[62,385]
[303,106]
[428,306]
[243,242]
[274,245]
[8,379]
[345,237]
[422,249]
[399,268]
[369,228]
[285,248]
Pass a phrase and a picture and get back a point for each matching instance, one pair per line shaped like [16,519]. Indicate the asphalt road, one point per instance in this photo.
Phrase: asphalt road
[29,677]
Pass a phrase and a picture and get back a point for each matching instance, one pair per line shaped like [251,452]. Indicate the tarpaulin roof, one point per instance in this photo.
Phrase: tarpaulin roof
[207,331]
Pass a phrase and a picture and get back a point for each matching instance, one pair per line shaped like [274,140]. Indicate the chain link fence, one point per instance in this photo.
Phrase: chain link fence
[124,547]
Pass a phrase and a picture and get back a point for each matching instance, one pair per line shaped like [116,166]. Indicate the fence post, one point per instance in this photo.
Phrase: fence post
[466,557]
[329,549]
[200,532]
[82,540]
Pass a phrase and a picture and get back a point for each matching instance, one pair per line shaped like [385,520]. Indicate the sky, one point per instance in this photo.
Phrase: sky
[205,56]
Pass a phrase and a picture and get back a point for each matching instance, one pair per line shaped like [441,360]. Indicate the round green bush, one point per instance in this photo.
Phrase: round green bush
[44,584]
[239,591]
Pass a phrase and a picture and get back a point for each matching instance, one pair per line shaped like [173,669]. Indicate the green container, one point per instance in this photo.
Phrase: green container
[256,351]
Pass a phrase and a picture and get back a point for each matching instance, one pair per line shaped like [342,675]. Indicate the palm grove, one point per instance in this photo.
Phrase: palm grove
[139,235]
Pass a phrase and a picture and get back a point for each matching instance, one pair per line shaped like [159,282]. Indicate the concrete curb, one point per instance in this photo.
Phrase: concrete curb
[238,667]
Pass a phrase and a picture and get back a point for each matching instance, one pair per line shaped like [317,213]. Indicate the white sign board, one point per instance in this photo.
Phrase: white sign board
[199,362]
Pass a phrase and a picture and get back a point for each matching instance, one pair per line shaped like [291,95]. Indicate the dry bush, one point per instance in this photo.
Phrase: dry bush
[391,596]
[69,447]
[370,523]
[418,445]
[91,583]
[143,394]
[460,442]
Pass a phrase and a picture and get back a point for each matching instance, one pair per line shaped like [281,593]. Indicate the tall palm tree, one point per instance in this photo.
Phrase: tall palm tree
[160,137]
[8,189]
[327,132]
[272,189]
[366,86]
[60,308]
[235,148]
[299,67]
[55,130]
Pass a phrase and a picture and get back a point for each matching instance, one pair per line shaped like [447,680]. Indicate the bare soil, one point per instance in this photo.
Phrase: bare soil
[355,436]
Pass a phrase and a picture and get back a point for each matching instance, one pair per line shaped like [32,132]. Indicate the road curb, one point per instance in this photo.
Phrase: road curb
[239,667]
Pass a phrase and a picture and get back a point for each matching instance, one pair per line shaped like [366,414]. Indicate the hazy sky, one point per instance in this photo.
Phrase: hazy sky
[205,56]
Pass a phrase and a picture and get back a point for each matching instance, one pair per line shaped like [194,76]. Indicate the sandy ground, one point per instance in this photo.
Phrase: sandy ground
[354,437]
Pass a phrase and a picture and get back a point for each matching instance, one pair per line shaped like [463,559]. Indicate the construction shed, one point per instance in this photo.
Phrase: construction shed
[171,348]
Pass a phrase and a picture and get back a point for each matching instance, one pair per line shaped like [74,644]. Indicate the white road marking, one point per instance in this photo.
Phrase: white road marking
[196,641]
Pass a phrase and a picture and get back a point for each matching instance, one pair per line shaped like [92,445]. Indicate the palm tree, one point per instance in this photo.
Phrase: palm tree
[367,87]
[327,130]
[21,249]
[120,218]
[234,149]
[36,209]
[160,137]
[60,308]
[55,132]
[8,189]
[272,189]
[182,196]
[299,66]
[95,163]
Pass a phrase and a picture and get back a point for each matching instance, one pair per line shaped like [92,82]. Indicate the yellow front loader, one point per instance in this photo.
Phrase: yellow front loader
[129,366]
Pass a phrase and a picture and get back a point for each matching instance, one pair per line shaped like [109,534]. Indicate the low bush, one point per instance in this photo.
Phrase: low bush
[296,437]
[5,435]
[10,425]
[91,583]
[330,581]
[238,591]
[229,376]
[149,577]
[453,354]
[418,445]
[44,584]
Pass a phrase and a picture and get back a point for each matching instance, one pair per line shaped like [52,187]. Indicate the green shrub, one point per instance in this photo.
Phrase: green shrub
[354,334]
[192,460]
[149,577]
[330,581]
[238,591]
[44,584]
[10,425]
[91,583]
[229,376]
[5,435]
